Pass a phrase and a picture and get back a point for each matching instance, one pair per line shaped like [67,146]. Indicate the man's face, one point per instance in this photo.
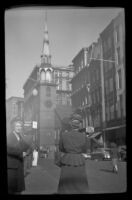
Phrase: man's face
[18,127]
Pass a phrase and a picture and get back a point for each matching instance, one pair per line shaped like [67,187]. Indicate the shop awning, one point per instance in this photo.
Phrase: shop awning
[95,134]
[115,127]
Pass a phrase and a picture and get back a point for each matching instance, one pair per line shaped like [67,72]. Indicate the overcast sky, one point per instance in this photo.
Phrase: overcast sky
[70,29]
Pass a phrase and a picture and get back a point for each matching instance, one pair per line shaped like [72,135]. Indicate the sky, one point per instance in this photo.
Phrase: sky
[70,29]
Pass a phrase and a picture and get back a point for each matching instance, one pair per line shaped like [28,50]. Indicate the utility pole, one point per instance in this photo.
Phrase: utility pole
[103,93]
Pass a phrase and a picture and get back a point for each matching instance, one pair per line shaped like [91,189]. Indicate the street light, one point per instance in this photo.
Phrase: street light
[35,124]
[35,92]
[89,101]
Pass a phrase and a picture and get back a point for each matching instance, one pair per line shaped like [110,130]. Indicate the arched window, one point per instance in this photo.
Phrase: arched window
[48,75]
[42,75]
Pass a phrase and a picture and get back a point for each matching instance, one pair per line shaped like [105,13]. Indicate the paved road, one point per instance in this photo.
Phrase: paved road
[44,178]
[102,180]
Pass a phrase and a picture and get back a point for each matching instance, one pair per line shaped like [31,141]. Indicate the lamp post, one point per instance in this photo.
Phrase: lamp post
[89,105]
[91,118]
[35,124]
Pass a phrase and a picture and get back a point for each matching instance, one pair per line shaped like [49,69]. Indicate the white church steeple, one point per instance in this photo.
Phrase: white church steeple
[45,56]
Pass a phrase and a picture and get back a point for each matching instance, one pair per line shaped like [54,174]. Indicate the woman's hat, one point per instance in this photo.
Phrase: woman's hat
[76,119]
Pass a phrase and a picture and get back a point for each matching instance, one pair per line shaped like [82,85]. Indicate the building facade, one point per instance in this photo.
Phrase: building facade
[94,71]
[86,85]
[80,81]
[101,67]
[62,77]
[14,108]
[113,53]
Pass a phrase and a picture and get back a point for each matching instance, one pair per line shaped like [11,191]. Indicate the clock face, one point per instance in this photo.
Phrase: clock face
[48,103]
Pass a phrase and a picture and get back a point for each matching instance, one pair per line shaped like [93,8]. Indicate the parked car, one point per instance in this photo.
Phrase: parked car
[87,155]
[101,154]
[107,153]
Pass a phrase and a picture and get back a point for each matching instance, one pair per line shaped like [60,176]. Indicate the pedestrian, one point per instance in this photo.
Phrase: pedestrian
[73,178]
[28,155]
[16,145]
[114,156]
[35,157]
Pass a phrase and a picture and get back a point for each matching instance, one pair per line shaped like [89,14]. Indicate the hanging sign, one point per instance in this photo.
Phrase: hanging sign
[34,125]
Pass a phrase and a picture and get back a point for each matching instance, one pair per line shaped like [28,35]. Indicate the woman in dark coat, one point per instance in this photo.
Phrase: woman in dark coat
[73,178]
[15,166]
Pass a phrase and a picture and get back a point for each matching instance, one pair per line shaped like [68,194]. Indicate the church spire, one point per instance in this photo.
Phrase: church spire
[45,56]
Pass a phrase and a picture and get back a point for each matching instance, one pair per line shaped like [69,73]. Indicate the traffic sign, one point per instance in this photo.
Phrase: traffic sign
[34,125]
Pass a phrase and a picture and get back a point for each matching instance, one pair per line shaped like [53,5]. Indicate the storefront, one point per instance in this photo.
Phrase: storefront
[116,134]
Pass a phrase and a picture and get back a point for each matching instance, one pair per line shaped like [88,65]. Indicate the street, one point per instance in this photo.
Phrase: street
[44,178]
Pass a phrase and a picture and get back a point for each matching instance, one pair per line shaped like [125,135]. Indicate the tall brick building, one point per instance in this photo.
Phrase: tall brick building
[101,67]
[47,97]
[113,50]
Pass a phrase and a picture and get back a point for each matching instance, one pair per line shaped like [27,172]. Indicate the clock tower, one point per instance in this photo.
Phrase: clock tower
[47,96]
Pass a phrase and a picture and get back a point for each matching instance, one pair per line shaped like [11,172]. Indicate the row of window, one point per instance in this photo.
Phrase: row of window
[109,83]
[63,74]
[96,97]
[95,76]
[108,64]
[112,112]
[108,43]
[118,55]
[17,110]
[63,85]
[63,99]
[46,76]
[92,119]
[118,32]
[14,108]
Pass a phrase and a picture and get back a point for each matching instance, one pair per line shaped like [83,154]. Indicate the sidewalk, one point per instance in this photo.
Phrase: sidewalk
[42,179]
